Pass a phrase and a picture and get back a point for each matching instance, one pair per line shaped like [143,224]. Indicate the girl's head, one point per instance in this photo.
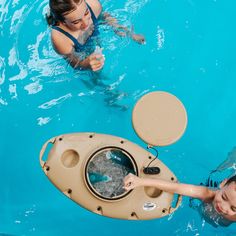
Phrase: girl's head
[73,13]
[225,199]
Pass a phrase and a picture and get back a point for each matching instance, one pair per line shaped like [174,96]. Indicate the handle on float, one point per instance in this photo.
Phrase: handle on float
[179,200]
[42,163]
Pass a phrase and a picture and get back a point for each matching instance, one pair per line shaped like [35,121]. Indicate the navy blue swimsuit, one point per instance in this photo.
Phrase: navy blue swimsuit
[89,46]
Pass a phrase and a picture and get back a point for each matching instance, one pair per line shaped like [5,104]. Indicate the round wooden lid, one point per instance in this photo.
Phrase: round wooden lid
[159,118]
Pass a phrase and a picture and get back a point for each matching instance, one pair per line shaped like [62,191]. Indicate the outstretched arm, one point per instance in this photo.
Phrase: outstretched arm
[132,181]
[122,30]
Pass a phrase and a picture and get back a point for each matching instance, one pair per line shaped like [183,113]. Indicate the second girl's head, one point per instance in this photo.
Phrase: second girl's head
[225,198]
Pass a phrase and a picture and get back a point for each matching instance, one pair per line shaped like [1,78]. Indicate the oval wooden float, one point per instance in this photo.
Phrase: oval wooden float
[89,167]
[67,168]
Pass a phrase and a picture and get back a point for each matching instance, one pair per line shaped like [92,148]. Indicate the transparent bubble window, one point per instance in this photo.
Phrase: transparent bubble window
[106,170]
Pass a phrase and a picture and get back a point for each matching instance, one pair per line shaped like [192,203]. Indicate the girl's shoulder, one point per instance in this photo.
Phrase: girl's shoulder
[95,6]
[61,43]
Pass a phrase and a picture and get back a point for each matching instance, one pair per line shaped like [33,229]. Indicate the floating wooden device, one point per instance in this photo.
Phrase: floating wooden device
[89,167]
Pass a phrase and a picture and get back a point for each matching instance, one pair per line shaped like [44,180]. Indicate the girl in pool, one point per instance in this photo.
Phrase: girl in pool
[75,29]
[219,205]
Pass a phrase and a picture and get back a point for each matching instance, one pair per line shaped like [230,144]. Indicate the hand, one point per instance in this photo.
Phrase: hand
[131,181]
[138,38]
[96,61]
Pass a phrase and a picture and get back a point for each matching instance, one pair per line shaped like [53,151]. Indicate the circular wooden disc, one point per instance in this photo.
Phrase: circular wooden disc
[159,118]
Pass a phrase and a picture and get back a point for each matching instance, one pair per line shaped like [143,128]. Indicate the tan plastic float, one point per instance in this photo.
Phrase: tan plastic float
[77,161]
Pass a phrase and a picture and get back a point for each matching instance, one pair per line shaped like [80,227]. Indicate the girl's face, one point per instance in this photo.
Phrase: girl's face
[78,19]
[225,200]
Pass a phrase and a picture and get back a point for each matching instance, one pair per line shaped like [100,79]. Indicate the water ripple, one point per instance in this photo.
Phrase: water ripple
[47,65]
[13,59]
[3,102]
[43,120]
[133,7]
[12,90]
[34,87]
[4,5]
[160,38]
[55,101]
[2,70]
[17,19]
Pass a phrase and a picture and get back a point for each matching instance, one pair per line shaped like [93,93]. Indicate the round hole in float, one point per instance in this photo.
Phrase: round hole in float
[70,158]
[152,192]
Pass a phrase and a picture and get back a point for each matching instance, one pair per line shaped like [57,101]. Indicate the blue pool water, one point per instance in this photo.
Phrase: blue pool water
[190,52]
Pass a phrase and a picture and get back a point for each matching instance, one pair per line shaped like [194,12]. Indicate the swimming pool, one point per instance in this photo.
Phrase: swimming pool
[189,52]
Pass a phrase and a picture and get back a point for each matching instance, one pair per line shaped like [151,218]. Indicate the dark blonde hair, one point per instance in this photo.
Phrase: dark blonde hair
[59,8]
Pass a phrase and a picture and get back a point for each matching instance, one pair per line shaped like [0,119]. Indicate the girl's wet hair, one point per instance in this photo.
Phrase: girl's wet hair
[230,180]
[58,9]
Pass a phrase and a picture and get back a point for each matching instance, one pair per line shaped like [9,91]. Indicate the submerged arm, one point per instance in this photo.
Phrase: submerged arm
[131,181]
[93,62]
[121,30]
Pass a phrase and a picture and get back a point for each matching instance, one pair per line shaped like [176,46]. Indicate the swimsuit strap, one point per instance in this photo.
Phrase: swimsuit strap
[71,37]
[94,19]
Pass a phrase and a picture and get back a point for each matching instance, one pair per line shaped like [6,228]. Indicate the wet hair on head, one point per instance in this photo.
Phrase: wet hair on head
[58,9]
[230,180]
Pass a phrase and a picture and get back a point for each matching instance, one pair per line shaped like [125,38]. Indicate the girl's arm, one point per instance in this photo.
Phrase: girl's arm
[121,30]
[132,181]
[94,61]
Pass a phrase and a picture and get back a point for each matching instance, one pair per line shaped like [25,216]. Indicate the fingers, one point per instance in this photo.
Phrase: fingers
[142,40]
[97,68]
[129,185]
[127,177]
[138,38]
[97,57]
[129,182]
[96,62]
